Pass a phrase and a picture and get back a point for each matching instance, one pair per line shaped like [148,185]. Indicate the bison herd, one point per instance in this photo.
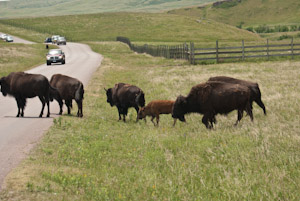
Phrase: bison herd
[219,95]
[22,85]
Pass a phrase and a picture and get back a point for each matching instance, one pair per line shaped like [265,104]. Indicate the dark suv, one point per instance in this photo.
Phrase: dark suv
[55,56]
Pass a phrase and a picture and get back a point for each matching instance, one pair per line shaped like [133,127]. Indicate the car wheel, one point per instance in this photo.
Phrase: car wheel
[48,63]
[63,62]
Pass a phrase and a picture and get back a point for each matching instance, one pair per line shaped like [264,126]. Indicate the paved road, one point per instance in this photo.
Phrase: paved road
[19,135]
[20,40]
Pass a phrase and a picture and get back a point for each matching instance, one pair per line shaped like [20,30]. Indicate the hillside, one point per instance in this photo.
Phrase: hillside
[149,27]
[34,8]
[248,12]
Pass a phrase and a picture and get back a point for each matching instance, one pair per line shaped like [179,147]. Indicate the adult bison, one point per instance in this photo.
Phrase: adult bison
[255,94]
[212,98]
[22,85]
[124,96]
[69,88]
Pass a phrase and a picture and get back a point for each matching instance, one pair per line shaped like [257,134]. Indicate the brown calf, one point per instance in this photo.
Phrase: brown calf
[155,108]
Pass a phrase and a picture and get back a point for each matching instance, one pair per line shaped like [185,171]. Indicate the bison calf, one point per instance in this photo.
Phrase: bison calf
[155,108]
[212,98]
[68,89]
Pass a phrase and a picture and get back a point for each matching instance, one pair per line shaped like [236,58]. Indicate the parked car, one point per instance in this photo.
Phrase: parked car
[55,56]
[3,36]
[61,41]
[54,38]
[48,40]
[9,39]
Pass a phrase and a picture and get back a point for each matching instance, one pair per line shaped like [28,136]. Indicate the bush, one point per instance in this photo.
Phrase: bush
[250,29]
[282,37]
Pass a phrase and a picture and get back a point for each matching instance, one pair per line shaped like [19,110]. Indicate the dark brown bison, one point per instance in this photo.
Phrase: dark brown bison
[212,98]
[155,108]
[254,89]
[24,85]
[69,88]
[124,96]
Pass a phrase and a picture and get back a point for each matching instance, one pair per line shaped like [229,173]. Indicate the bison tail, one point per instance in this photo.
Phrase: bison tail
[140,99]
[79,92]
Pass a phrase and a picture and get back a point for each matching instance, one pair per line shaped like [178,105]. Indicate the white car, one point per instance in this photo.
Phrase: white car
[3,36]
[9,39]
[54,38]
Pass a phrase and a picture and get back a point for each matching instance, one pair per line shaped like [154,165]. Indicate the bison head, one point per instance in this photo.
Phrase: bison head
[4,86]
[179,108]
[109,96]
[141,113]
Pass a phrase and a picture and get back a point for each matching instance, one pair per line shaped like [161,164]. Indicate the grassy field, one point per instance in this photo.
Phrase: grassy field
[20,57]
[34,8]
[99,158]
[148,27]
[250,12]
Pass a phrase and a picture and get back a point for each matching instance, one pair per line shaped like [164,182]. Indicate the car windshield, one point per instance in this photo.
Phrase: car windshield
[61,38]
[55,52]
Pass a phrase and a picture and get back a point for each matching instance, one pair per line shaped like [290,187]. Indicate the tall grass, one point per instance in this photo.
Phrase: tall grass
[99,158]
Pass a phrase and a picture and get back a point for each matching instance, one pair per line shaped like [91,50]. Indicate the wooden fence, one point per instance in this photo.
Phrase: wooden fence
[170,52]
[217,53]
[243,52]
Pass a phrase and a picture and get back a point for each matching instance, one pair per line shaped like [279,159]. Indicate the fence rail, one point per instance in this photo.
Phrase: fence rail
[217,53]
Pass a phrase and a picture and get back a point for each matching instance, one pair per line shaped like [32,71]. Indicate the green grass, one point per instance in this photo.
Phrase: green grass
[34,8]
[250,12]
[99,158]
[158,27]
[20,57]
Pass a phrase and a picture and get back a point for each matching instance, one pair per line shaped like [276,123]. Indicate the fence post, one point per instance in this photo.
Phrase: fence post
[292,47]
[243,46]
[193,53]
[268,49]
[217,51]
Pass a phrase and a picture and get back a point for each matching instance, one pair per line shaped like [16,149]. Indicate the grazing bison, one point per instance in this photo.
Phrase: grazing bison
[254,89]
[22,85]
[212,98]
[69,88]
[124,96]
[155,108]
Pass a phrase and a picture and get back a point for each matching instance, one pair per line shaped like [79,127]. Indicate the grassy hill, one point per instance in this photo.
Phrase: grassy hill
[249,12]
[149,27]
[34,8]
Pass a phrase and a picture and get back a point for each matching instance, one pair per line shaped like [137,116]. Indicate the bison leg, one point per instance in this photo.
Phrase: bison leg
[157,119]
[249,112]
[205,119]
[137,112]
[69,105]
[19,106]
[152,117]
[261,104]
[43,105]
[174,122]
[240,116]
[79,104]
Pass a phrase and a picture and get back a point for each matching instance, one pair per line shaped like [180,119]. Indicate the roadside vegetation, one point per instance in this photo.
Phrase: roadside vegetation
[20,57]
[100,158]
